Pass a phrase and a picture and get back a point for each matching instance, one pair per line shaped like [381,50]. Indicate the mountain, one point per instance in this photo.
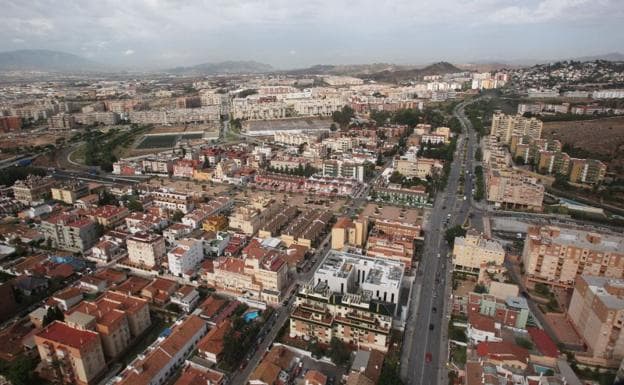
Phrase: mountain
[402,75]
[223,68]
[345,69]
[45,61]
[612,56]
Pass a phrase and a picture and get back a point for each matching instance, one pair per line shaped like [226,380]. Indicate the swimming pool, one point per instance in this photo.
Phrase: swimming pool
[252,315]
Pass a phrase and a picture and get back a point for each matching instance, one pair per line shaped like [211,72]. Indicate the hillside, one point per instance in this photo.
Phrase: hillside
[45,61]
[399,76]
[223,68]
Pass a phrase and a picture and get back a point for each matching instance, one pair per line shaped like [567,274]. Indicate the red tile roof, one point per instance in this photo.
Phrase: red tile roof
[543,342]
[61,333]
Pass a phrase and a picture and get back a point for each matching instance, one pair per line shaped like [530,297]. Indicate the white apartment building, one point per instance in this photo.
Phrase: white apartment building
[185,257]
[172,200]
[347,273]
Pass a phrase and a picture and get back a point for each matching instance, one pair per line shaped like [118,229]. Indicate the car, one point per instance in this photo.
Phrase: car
[428,357]
[431,327]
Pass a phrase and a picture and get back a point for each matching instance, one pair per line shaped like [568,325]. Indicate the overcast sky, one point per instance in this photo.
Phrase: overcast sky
[298,33]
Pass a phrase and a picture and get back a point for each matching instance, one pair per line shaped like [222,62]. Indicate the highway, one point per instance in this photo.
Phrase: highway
[425,344]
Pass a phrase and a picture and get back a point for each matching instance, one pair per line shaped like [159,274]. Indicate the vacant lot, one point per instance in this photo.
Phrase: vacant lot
[601,139]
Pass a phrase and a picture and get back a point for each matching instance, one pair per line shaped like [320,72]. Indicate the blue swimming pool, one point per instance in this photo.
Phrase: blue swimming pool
[539,369]
[252,315]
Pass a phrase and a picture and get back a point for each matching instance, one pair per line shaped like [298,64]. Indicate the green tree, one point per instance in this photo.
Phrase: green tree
[134,205]
[53,314]
[480,289]
[454,232]
[338,352]
[525,343]
[177,216]
[21,371]
[343,117]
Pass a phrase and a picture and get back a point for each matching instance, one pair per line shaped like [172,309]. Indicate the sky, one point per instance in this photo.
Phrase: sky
[155,34]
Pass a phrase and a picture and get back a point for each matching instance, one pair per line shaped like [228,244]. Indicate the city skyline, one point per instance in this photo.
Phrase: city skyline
[155,34]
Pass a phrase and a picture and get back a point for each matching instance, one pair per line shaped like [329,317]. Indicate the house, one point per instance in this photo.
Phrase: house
[210,346]
[186,297]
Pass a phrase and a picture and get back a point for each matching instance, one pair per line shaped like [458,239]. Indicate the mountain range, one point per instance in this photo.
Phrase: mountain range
[45,61]
[223,68]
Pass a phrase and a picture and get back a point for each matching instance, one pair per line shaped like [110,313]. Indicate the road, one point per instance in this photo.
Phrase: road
[425,344]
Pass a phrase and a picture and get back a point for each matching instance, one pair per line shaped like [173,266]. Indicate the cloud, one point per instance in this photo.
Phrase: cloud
[129,52]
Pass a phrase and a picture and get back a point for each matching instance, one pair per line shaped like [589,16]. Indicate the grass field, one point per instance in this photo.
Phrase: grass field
[600,138]
[164,141]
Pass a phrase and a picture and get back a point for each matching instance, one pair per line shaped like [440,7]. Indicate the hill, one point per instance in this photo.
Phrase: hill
[223,68]
[403,75]
[45,61]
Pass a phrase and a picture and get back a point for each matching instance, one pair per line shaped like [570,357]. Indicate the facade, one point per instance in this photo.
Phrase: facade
[505,126]
[249,218]
[589,171]
[77,353]
[32,190]
[342,169]
[473,251]
[171,200]
[118,319]
[597,313]
[322,314]
[419,168]
[349,232]
[511,189]
[557,256]
[185,257]
[69,231]
[70,192]
[145,249]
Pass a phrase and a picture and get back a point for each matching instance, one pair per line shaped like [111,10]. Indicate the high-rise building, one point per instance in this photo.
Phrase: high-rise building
[597,314]
[588,171]
[145,249]
[557,256]
[349,232]
[505,126]
[70,231]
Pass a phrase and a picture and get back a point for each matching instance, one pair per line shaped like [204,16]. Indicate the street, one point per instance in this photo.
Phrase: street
[425,350]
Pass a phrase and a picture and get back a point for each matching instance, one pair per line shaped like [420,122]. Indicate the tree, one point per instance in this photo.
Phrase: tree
[343,117]
[454,232]
[134,205]
[380,159]
[525,343]
[338,352]
[53,314]
[21,371]
[478,154]
[480,289]
[177,216]
[333,127]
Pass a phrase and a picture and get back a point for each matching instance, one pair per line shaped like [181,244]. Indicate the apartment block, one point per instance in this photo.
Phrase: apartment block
[557,255]
[349,232]
[185,257]
[307,228]
[118,319]
[109,215]
[173,201]
[70,231]
[597,314]
[473,251]
[505,126]
[588,171]
[418,168]
[321,314]
[553,162]
[146,249]
[77,353]
[156,365]
[62,122]
[511,189]
[249,218]
[33,190]
[342,169]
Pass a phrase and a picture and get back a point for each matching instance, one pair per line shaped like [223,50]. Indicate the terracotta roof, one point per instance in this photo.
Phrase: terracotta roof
[359,379]
[199,376]
[481,322]
[70,293]
[314,377]
[213,341]
[502,351]
[182,334]
[61,333]
[543,342]
[211,306]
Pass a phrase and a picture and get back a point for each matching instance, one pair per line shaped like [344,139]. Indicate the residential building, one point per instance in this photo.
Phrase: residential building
[77,353]
[33,190]
[146,249]
[473,250]
[157,363]
[70,191]
[70,231]
[349,232]
[62,122]
[172,200]
[249,218]
[117,318]
[185,257]
[505,126]
[419,168]
[109,215]
[511,189]
[512,312]
[343,169]
[306,229]
[215,223]
[210,346]
[589,171]
[195,374]
[597,314]
[556,256]
[186,298]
